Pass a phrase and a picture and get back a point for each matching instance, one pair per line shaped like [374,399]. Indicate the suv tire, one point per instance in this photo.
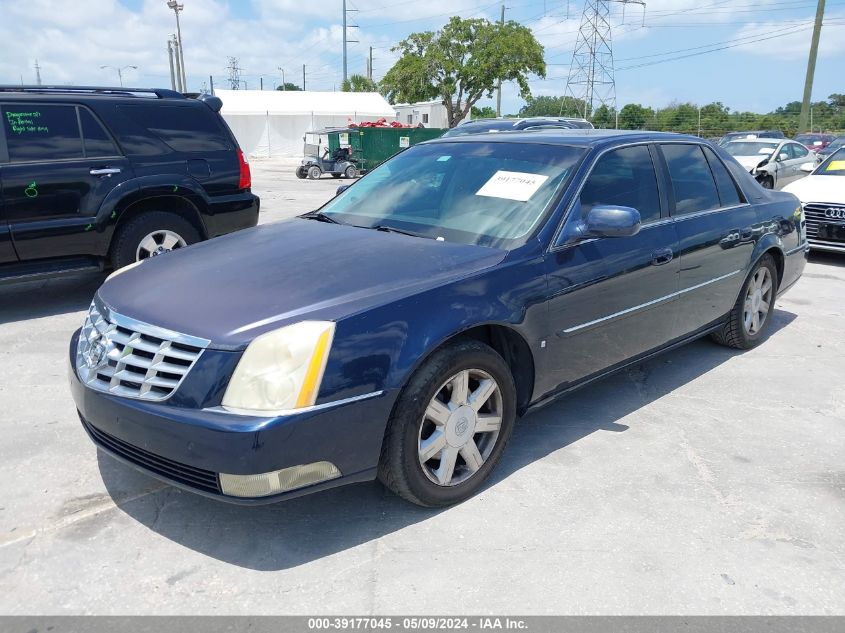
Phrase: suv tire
[130,236]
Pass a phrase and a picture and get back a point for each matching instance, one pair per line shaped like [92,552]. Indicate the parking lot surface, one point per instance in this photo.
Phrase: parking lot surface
[706,481]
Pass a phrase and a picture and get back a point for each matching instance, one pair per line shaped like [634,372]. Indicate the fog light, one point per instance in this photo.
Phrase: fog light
[272,483]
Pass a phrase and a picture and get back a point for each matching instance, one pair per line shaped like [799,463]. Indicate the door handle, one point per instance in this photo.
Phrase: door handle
[105,171]
[662,256]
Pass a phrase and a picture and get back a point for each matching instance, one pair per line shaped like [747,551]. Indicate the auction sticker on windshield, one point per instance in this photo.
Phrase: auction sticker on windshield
[512,185]
[836,165]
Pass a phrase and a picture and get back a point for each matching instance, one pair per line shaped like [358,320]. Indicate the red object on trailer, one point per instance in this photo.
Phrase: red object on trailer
[382,122]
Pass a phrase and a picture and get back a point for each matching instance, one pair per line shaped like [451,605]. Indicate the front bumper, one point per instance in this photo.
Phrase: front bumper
[188,447]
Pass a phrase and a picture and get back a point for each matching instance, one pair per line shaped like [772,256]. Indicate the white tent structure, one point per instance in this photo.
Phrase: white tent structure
[271,123]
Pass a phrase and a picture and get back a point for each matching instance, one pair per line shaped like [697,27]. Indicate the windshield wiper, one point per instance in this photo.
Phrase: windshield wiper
[320,217]
[393,229]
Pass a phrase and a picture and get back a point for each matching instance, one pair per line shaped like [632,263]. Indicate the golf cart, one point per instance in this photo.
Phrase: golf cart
[319,160]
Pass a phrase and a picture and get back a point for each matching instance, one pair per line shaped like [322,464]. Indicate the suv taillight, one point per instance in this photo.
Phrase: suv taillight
[245,180]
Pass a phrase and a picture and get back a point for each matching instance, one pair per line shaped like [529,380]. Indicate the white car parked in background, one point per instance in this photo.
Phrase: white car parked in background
[822,194]
[773,162]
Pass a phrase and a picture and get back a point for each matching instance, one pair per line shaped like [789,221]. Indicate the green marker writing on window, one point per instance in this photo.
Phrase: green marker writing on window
[32,190]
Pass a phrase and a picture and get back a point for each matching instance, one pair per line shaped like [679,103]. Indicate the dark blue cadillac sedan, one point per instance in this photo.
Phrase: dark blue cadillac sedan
[400,330]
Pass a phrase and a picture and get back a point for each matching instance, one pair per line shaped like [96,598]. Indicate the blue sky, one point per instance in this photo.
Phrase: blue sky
[762,68]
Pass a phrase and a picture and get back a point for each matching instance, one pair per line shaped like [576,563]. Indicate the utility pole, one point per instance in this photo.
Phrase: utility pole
[591,73]
[282,70]
[119,71]
[211,83]
[499,91]
[811,68]
[172,4]
[37,73]
[370,65]
[303,77]
[346,39]
[180,87]
[170,60]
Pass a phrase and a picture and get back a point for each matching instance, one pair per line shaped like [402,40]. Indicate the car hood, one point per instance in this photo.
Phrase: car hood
[750,162]
[819,189]
[233,288]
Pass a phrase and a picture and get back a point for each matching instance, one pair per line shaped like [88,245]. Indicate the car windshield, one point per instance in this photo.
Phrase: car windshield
[746,148]
[840,142]
[834,165]
[485,193]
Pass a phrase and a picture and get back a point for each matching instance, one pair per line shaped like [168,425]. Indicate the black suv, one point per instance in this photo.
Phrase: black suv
[91,177]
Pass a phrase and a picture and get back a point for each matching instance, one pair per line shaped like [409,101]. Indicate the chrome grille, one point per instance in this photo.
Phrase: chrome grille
[129,358]
[814,213]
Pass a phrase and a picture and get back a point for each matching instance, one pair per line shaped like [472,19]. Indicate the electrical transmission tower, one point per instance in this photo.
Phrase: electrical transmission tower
[591,78]
[234,73]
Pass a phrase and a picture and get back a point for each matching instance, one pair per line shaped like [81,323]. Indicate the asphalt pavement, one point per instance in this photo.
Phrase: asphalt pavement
[706,481]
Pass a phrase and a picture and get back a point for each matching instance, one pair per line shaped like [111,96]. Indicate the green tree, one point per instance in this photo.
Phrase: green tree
[359,83]
[462,62]
[603,118]
[486,112]
[288,86]
[552,106]
[634,116]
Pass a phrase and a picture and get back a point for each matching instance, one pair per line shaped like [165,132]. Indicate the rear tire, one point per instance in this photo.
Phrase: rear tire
[159,226]
[450,426]
[750,318]
[350,172]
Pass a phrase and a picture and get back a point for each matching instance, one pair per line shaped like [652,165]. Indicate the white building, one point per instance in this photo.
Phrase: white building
[429,113]
[271,123]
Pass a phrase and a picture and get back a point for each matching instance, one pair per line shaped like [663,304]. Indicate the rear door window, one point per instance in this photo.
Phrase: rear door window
[728,192]
[183,128]
[693,184]
[95,138]
[624,177]
[37,132]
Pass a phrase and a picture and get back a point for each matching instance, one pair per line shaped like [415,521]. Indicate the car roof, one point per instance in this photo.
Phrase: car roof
[572,137]
[761,140]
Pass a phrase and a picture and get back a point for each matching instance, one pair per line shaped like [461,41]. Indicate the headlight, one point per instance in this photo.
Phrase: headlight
[281,370]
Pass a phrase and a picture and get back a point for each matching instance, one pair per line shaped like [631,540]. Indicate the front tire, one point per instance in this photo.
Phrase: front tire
[767,182]
[750,318]
[450,426]
[314,172]
[151,234]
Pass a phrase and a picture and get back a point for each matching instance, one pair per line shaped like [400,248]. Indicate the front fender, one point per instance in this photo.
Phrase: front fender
[381,348]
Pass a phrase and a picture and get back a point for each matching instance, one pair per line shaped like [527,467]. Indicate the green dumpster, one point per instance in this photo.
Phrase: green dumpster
[373,145]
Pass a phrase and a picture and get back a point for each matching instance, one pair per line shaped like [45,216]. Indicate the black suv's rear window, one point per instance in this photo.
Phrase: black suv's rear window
[185,129]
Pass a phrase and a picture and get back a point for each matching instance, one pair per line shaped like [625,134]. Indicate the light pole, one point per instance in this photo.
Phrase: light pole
[119,71]
[172,4]
[282,70]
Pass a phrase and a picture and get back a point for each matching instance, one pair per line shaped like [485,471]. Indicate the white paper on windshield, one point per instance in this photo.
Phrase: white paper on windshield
[512,185]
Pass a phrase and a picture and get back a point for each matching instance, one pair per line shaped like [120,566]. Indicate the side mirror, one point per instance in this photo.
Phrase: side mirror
[341,189]
[807,167]
[782,157]
[610,221]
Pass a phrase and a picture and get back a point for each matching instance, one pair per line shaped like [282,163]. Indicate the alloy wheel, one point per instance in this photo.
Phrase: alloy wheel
[460,427]
[158,243]
[758,298]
